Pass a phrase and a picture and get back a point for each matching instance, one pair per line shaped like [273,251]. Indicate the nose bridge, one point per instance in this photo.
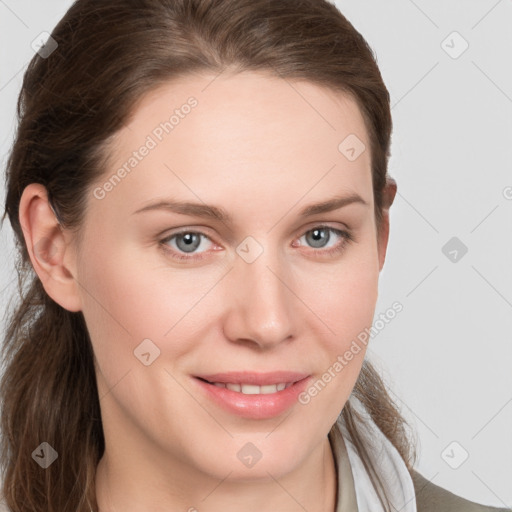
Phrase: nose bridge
[262,311]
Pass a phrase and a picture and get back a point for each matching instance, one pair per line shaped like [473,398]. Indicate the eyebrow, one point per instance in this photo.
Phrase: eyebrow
[217,213]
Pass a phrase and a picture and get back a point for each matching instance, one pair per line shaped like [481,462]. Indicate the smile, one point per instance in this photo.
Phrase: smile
[253,395]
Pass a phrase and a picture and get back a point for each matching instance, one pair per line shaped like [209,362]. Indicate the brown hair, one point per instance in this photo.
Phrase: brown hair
[109,55]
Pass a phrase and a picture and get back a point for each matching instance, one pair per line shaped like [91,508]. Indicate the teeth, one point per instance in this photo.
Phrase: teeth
[251,389]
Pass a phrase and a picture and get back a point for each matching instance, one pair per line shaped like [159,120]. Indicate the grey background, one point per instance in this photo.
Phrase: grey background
[447,355]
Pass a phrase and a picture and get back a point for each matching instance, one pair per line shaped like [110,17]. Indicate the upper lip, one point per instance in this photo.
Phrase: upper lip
[257,379]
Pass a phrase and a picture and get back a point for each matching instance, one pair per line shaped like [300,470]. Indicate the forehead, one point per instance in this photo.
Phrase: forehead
[248,133]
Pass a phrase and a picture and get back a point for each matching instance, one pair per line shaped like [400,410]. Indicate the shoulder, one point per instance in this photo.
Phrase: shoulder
[432,498]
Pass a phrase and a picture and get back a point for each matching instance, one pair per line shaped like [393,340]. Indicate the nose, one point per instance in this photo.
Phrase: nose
[260,303]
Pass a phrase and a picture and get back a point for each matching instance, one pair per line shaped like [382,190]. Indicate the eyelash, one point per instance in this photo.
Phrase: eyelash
[347,237]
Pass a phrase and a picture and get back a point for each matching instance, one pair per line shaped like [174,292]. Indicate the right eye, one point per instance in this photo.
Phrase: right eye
[178,245]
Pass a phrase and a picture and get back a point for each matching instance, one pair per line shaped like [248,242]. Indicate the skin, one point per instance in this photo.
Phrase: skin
[262,148]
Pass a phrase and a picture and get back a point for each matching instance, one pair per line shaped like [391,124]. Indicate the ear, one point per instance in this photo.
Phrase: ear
[388,197]
[49,247]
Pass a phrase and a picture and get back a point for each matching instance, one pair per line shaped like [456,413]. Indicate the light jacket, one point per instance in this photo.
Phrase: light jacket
[429,497]
[432,498]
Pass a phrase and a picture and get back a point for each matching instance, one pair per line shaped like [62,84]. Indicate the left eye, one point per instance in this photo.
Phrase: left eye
[319,237]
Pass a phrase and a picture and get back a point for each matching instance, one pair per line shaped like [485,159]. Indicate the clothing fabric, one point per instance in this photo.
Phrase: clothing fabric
[395,476]
[407,491]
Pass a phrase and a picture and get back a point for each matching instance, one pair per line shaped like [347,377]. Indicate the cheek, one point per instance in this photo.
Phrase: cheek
[128,298]
[347,305]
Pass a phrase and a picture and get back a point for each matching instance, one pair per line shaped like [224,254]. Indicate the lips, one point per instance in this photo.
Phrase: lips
[253,395]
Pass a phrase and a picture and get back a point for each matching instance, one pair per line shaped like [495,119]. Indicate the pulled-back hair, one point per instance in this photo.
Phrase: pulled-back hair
[110,54]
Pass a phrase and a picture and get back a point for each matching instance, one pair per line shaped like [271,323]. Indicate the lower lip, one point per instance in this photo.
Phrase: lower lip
[256,407]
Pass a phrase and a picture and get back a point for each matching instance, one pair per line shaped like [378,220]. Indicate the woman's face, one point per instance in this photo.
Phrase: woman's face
[271,293]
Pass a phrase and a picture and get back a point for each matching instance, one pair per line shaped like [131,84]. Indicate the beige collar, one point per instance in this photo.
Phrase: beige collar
[346,500]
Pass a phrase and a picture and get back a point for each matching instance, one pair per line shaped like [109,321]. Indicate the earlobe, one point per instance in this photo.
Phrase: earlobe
[388,196]
[48,247]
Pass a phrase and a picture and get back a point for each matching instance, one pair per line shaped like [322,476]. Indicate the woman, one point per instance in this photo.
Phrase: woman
[187,340]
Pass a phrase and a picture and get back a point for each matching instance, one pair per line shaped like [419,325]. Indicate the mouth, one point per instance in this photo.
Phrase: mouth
[253,395]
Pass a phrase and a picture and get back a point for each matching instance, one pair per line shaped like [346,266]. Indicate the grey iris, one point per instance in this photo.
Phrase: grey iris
[191,241]
[315,237]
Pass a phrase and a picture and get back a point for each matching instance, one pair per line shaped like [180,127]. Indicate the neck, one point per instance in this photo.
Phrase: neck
[135,482]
